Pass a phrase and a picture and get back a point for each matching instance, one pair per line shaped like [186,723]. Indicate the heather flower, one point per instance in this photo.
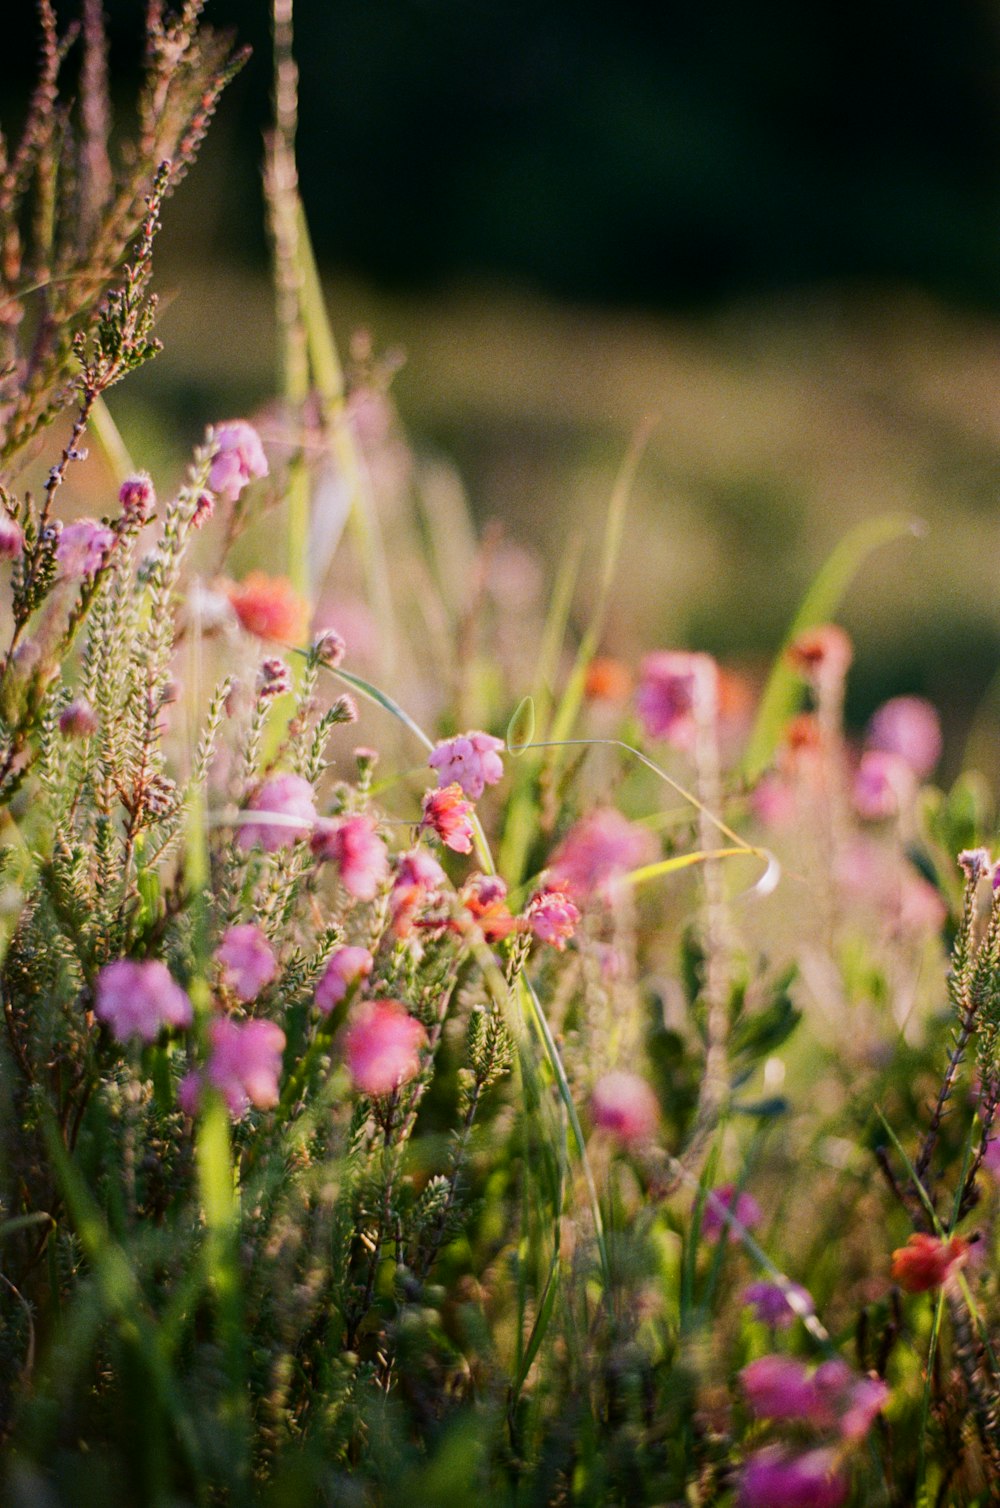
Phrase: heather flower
[137,999]
[448,815]
[822,655]
[247,959]
[288,801]
[274,679]
[82,548]
[677,691]
[244,1063]
[346,967]
[239,458]
[78,719]
[607,680]
[269,607]
[776,1478]
[883,785]
[484,896]
[910,727]
[382,1047]
[471,760]
[974,863]
[329,648]
[137,497]
[352,844]
[780,1387]
[771,1306]
[865,1400]
[551,916]
[772,800]
[927,1262]
[742,1206]
[204,507]
[418,874]
[11,538]
[597,851]
[624,1105]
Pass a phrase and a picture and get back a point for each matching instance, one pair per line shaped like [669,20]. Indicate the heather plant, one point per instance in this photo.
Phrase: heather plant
[574,1107]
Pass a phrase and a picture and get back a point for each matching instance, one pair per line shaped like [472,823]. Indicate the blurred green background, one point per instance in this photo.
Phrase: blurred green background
[773,227]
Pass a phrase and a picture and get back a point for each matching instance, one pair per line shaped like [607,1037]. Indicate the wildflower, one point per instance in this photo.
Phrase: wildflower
[417,876]
[883,785]
[910,727]
[204,507]
[677,691]
[274,679]
[484,896]
[471,760]
[78,719]
[82,548]
[776,1478]
[822,655]
[742,1206]
[864,1401]
[927,1262]
[244,1063]
[346,967]
[771,1304]
[11,538]
[801,746]
[286,803]
[247,959]
[773,800]
[329,648]
[597,851]
[137,497]
[137,999]
[449,816]
[239,458]
[382,1047]
[780,1387]
[269,607]
[974,863]
[358,852]
[625,1105]
[552,916]
[607,680]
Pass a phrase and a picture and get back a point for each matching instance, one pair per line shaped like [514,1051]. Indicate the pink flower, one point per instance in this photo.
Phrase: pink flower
[82,548]
[247,959]
[773,800]
[780,1387]
[417,876]
[676,692]
[346,967]
[775,1478]
[329,648]
[274,679]
[484,896]
[288,801]
[625,1105]
[244,1063]
[471,760]
[743,1207]
[910,727]
[598,850]
[770,1303]
[449,816]
[358,852]
[137,497]
[138,999]
[11,538]
[883,785]
[552,916]
[822,654]
[382,1047]
[239,457]
[78,719]
[864,1401]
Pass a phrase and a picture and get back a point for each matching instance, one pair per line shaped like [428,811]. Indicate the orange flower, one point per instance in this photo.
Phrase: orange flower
[927,1262]
[268,607]
[608,680]
[822,653]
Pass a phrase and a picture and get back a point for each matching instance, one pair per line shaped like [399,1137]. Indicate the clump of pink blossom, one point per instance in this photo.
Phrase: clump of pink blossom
[448,815]
[624,1105]
[741,1205]
[418,876]
[382,1047]
[598,851]
[908,726]
[779,1478]
[884,785]
[11,538]
[832,1398]
[138,999]
[247,959]
[287,800]
[137,497]
[353,845]
[346,967]
[237,460]
[78,719]
[83,547]
[471,760]
[552,916]
[677,692]
[244,1065]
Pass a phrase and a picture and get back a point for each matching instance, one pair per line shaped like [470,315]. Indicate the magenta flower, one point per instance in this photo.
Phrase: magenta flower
[775,1478]
[82,548]
[448,815]
[742,1206]
[552,916]
[676,692]
[471,760]
[597,851]
[625,1105]
[286,805]
[137,497]
[358,852]
[382,1047]
[137,999]
[418,875]
[883,785]
[11,538]
[239,458]
[865,1400]
[780,1387]
[329,647]
[247,959]
[770,1303]
[78,719]
[346,967]
[244,1063]
[910,727]
[274,679]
